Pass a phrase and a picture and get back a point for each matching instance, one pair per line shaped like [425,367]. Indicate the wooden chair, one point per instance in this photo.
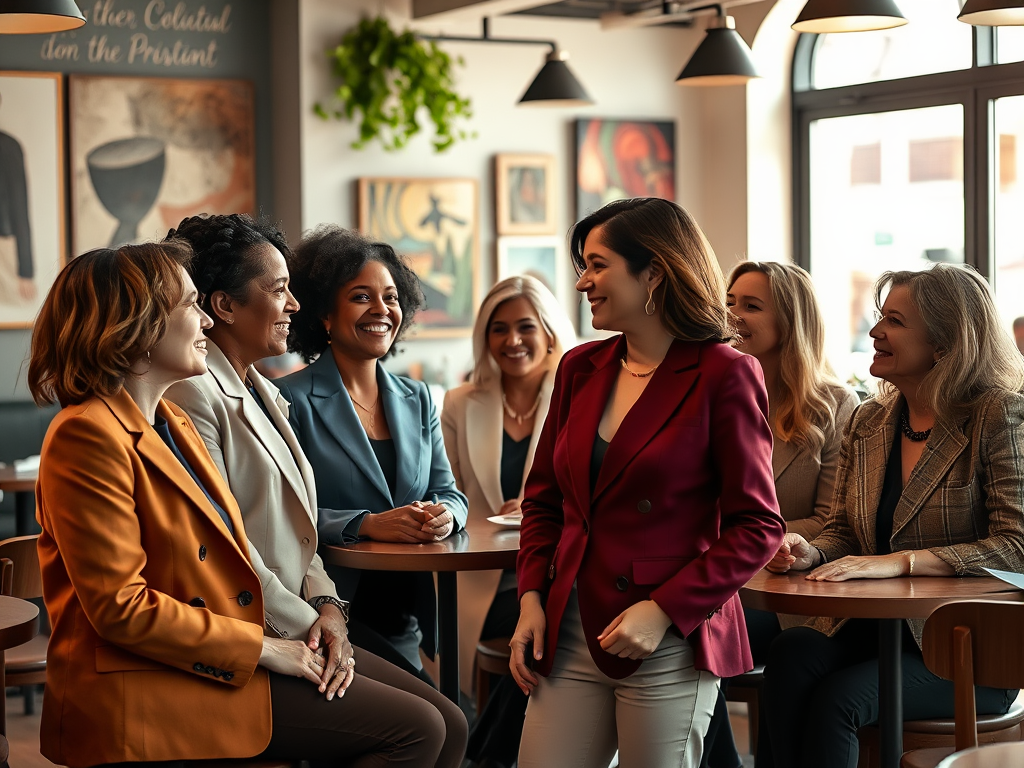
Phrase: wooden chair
[977,642]
[990,756]
[747,688]
[492,658]
[25,664]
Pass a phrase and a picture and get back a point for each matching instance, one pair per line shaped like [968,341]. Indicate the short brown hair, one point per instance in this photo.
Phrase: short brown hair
[105,309]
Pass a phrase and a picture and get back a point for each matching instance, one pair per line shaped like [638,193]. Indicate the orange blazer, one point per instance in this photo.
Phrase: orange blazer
[156,611]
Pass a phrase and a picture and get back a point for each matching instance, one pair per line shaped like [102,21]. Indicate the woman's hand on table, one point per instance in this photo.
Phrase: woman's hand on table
[511,507]
[404,525]
[925,563]
[529,633]
[292,658]
[795,554]
[637,631]
[437,520]
[330,632]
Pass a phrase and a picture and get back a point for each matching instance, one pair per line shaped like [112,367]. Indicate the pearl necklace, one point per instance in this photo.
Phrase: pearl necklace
[519,417]
[633,373]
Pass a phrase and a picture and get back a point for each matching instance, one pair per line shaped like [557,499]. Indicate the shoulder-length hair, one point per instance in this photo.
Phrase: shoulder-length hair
[649,230]
[552,318]
[805,409]
[976,354]
[104,311]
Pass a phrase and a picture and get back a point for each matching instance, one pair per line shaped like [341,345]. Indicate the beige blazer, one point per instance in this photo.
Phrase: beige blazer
[964,501]
[472,424]
[272,482]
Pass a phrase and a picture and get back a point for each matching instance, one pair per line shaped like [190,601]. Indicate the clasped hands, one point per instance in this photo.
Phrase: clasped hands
[796,554]
[326,658]
[415,523]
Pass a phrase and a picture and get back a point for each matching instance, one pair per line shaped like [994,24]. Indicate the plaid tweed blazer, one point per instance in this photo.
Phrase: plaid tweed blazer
[964,501]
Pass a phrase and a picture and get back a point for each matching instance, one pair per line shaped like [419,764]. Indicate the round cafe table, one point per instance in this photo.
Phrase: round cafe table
[19,622]
[482,546]
[890,601]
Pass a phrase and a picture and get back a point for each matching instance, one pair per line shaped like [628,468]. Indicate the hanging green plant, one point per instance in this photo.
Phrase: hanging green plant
[386,77]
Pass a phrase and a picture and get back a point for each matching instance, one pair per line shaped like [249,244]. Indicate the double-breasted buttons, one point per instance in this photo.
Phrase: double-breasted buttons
[245,598]
[622,583]
[202,551]
[214,671]
[644,507]
[197,602]
[198,667]
[228,676]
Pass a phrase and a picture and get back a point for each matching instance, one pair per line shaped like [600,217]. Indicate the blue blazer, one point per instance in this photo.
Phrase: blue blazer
[349,481]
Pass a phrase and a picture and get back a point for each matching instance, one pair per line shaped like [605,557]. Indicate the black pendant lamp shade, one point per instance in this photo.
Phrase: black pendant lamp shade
[23,17]
[993,13]
[555,85]
[825,16]
[722,58]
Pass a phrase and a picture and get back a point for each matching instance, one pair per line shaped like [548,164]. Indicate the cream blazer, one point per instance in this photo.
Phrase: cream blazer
[272,482]
[472,423]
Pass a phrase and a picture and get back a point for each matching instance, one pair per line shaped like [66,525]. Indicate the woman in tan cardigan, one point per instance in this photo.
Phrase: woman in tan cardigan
[930,483]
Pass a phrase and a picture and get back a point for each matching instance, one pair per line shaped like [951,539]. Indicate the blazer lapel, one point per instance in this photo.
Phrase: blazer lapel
[871,455]
[402,409]
[783,454]
[329,398]
[484,422]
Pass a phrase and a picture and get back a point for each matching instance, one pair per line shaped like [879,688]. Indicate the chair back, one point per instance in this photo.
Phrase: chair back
[976,642]
[24,579]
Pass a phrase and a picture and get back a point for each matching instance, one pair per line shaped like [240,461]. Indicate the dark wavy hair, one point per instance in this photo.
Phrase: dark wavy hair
[104,311]
[327,259]
[227,257]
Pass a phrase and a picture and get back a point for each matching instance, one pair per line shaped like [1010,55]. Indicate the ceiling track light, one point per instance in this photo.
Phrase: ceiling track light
[993,13]
[828,16]
[27,17]
[554,85]
[722,58]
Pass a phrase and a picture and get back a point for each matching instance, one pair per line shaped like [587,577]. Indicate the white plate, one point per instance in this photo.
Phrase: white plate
[513,521]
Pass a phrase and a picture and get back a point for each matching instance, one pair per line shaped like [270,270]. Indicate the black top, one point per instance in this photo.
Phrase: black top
[597,459]
[262,405]
[892,490]
[513,465]
[387,458]
[165,433]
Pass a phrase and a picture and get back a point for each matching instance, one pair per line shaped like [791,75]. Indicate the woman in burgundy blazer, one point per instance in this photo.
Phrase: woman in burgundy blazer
[650,502]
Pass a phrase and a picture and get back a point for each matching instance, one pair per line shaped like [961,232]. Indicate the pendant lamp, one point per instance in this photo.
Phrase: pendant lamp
[993,13]
[555,85]
[825,16]
[24,17]
[722,58]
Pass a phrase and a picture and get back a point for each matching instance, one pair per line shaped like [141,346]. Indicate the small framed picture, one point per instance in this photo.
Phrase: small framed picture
[539,257]
[524,193]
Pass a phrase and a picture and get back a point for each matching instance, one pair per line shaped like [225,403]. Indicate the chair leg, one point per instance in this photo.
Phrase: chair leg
[28,692]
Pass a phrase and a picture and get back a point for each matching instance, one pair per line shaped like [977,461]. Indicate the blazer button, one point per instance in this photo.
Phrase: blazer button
[622,583]
[202,551]
[644,507]
[198,667]
[197,602]
[210,670]
[305,540]
[228,676]
[245,598]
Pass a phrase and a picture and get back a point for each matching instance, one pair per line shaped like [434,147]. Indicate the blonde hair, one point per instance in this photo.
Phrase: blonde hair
[976,354]
[552,318]
[805,409]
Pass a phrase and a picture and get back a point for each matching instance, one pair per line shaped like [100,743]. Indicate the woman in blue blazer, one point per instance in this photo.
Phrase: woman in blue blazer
[373,438]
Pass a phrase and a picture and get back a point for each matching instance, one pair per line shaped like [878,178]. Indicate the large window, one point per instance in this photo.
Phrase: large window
[907,154]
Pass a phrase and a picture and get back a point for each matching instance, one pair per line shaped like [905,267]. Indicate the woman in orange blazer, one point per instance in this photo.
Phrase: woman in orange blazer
[158,650]
[650,503]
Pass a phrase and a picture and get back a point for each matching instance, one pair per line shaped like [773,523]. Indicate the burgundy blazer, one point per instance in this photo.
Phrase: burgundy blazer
[684,509]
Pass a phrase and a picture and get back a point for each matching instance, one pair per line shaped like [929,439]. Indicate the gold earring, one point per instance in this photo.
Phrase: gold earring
[650,306]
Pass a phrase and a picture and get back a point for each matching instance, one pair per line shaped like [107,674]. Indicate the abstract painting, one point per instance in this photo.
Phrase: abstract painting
[618,159]
[32,239]
[434,225]
[147,152]
[539,257]
[524,194]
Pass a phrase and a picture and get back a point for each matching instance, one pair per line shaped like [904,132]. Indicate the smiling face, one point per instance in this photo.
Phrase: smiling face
[366,316]
[516,339]
[616,297]
[753,313]
[181,351]
[903,355]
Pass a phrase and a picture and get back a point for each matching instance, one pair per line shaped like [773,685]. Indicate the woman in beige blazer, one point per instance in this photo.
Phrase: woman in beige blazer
[930,483]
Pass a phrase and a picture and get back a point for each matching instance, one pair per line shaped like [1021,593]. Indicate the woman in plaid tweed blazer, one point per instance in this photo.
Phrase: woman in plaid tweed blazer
[930,483]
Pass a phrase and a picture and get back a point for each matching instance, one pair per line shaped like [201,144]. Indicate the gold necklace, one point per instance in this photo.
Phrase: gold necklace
[633,373]
[371,413]
[519,417]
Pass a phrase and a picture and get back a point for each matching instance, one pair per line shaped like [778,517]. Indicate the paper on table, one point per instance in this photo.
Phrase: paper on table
[1016,579]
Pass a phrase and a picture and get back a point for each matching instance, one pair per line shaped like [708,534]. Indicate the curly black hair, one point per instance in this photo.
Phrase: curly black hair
[226,253]
[328,258]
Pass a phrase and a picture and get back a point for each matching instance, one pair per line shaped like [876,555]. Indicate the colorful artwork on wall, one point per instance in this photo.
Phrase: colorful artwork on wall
[434,224]
[147,152]
[524,194]
[539,257]
[618,159]
[32,231]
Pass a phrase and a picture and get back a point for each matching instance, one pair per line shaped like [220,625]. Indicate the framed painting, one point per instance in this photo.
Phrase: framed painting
[434,224]
[618,159]
[32,229]
[524,194]
[147,152]
[539,257]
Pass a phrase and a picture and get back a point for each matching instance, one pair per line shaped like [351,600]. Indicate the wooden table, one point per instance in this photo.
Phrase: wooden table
[890,601]
[19,623]
[21,484]
[483,546]
[989,756]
